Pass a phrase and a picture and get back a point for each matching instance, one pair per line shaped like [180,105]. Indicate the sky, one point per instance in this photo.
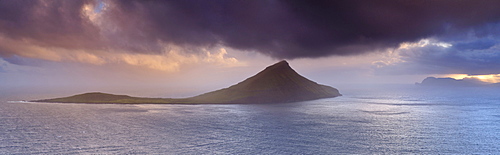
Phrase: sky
[193,46]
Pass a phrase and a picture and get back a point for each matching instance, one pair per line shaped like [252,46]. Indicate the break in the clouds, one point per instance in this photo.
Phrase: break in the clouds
[468,52]
[142,32]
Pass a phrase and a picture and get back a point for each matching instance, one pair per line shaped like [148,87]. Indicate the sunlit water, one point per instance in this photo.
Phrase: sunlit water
[391,120]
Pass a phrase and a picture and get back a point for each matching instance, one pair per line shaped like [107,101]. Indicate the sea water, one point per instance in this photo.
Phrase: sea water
[375,120]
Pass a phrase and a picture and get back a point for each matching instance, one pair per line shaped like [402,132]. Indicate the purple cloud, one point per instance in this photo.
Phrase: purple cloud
[279,29]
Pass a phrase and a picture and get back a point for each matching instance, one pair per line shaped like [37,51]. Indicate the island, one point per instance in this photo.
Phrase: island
[277,83]
[451,82]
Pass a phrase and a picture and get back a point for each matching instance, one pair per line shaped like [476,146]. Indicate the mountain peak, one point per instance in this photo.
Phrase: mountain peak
[277,83]
[281,63]
[278,66]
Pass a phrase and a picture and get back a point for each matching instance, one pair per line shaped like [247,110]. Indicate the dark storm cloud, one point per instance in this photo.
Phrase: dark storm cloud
[292,29]
[48,23]
[280,29]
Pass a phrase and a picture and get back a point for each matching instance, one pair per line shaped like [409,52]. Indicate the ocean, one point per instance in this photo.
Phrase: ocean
[384,119]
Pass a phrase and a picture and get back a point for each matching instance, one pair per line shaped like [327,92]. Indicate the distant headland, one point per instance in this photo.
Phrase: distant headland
[278,83]
[451,82]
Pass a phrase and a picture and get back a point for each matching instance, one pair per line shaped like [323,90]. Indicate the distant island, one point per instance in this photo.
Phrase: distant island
[278,83]
[451,82]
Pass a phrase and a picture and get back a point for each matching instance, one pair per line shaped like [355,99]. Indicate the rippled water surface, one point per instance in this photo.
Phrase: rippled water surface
[390,120]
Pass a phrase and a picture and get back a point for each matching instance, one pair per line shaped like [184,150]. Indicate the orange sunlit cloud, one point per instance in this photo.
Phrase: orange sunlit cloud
[169,60]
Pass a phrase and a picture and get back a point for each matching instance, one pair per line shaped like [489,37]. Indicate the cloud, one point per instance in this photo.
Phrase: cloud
[169,58]
[172,60]
[3,65]
[479,44]
[293,29]
[48,23]
[419,37]
[467,55]
[279,29]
